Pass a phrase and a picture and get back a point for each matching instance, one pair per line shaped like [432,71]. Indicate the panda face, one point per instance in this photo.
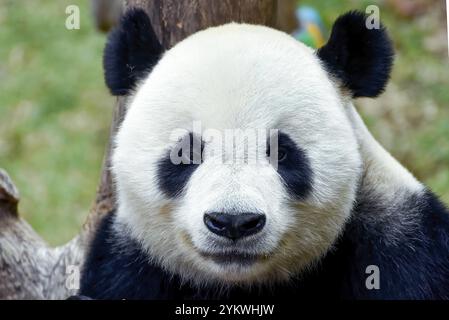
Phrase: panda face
[236,219]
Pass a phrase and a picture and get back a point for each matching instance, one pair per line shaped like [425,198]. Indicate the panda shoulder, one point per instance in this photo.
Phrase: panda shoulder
[116,267]
[407,239]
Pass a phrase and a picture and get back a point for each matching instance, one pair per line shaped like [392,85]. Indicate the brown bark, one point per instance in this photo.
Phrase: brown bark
[286,17]
[29,268]
[106,13]
[173,20]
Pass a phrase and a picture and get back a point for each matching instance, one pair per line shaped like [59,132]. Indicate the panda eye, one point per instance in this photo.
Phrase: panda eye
[195,147]
[282,154]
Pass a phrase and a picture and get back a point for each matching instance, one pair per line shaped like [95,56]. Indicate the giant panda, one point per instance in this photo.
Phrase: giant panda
[334,206]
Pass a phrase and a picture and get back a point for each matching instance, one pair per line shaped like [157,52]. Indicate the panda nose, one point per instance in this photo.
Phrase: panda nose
[234,226]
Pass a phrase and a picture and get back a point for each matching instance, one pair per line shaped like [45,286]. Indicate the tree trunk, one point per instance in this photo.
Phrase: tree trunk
[29,268]
[106,13]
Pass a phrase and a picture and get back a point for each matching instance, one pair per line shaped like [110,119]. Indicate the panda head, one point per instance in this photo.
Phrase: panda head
[236,162]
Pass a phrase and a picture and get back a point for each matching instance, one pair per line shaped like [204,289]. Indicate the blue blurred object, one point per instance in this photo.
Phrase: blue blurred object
[311,29]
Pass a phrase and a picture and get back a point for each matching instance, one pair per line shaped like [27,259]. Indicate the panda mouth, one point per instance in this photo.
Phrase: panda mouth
[244,259]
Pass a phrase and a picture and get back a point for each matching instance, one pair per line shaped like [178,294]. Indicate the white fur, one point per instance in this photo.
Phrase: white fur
[389,183]
[384,173]
[237,76]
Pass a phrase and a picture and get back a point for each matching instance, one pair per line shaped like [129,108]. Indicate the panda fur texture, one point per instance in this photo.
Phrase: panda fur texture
[336,204]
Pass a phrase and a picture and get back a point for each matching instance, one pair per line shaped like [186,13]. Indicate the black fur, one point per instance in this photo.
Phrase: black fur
[416,267]
[116,268]
[172,177]
[293,166]
[131,52]
[359,57]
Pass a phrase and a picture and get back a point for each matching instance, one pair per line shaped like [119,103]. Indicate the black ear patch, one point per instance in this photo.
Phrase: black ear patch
[359,57]
[131,51]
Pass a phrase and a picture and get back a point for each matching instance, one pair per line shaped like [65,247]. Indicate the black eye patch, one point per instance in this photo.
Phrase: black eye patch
[172,175]
[293,166]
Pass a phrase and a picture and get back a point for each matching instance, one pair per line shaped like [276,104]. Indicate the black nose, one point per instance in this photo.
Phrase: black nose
[234,226]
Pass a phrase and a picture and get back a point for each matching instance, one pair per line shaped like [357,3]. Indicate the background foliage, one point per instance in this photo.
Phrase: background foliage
[54,112]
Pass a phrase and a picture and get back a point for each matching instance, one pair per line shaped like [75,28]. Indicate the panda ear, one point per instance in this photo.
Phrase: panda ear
[359,57]
[132,49]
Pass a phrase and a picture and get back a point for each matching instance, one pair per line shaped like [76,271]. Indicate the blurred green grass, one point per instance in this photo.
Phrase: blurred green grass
[54,112]
[411,118]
